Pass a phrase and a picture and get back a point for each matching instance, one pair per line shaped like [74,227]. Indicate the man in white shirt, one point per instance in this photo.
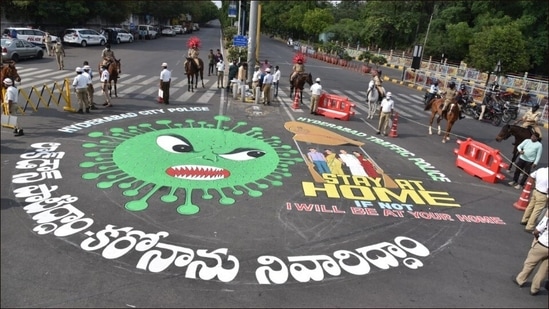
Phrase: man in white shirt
[80,84]
[105,85]
[87,72]
[165,79]
[276,79]
[255,79]
[387,106]
[11,97]
[316,91]
[433,90]
[220,66]
[267,84]
[538,255]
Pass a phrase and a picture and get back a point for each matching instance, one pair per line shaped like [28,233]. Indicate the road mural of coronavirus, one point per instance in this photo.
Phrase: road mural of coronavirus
[187,157]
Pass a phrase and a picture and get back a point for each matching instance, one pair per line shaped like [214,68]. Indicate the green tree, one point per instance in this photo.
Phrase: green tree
[503,44]
[315,21]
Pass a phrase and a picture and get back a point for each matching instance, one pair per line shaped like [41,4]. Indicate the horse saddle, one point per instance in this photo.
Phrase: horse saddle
[298,74]
[532,130]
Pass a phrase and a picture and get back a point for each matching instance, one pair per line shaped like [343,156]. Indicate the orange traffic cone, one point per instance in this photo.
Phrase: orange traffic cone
[296,100]
[522,202]
[393,132]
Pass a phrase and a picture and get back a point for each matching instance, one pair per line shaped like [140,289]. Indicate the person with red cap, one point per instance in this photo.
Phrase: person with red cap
[194,44]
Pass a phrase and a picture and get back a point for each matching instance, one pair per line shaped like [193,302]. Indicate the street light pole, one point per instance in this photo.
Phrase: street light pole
[426,35]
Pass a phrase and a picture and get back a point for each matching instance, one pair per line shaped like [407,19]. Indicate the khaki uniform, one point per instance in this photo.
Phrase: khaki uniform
[297,68]
[379,87]
[449,96]
[59,52]
[531,119]
[47,42]
[193,53]
[108,55]
[242,73]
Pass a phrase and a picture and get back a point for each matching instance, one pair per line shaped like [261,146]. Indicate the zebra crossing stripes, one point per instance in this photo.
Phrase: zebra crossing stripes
[146,87]
[133,79]
[205,98]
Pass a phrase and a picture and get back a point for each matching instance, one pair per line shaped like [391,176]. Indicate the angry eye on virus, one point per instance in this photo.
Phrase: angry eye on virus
[194,159]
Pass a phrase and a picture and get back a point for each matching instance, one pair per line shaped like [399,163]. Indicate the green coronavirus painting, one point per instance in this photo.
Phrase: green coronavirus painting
[187,161]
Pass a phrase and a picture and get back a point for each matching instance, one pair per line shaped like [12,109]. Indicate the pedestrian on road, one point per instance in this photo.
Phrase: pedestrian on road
[105,85]
[267,85]
[220,67]
[387,108]
[265,65]
[47,43]
[243,72]
[255,80]
[218,56]
[88,72]
[12,97]
[165,80]
[80,84]
[537,255]
[59,52]
[538,198]
[316,91]
[211,62]
[276,79]
[530,154]
[233,72]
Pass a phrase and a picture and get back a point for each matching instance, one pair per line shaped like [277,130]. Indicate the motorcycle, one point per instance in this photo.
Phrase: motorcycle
[428,97]
[493,112]
[510,112]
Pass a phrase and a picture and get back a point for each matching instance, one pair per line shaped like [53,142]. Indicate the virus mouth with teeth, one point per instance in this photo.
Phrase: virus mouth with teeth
[187,161]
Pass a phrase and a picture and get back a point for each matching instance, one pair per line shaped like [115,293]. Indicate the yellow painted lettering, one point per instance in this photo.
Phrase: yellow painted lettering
[436,198]
[357,192]
[309,189]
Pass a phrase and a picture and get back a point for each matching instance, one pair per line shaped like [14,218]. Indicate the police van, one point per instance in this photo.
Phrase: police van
[33,36]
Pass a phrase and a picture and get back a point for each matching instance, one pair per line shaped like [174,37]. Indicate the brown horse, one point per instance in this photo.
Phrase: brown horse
[451,116]
[9,71]
[299,83]
[193,72]
[114,68]
[520,135]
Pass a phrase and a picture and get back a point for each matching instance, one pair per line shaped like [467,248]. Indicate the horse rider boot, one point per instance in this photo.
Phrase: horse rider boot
[449,96]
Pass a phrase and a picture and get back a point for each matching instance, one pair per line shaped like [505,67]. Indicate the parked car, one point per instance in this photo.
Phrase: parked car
[122,35]
[196,27]
[17,49]
[178,29]
[168,31]
[33,36]
[147,32]
[84,37]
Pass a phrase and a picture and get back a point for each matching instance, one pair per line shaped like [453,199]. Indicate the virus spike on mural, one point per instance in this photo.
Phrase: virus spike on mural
[187,158]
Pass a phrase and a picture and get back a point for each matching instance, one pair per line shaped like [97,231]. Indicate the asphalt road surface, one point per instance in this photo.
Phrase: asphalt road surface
[212,202]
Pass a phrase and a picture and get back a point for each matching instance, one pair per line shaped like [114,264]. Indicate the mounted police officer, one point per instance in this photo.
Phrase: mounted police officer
[299,66]
[108,55]
[193,52]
